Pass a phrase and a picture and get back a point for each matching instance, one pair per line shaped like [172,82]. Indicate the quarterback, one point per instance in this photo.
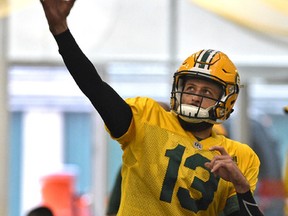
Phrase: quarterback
[173,163]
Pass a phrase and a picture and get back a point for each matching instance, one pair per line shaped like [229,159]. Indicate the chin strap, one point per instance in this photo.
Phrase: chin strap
[193,111]
[194,114]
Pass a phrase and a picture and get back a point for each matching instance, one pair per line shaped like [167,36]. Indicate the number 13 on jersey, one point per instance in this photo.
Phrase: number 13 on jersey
[206,188]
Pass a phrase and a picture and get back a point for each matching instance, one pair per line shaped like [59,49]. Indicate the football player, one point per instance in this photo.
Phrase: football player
[173,163]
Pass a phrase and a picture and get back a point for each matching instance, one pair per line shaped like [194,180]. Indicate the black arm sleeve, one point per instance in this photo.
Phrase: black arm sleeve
[114,111]
[247,205]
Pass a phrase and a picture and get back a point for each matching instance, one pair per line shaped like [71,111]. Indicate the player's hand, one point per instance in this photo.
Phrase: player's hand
[56,12]
[223,165]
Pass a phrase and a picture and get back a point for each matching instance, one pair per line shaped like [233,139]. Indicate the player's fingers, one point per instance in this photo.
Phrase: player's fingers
[226,158]
[218,164]
[208,165]
[223,162]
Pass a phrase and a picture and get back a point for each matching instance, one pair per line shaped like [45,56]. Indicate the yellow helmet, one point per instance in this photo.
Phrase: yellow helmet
[214,66]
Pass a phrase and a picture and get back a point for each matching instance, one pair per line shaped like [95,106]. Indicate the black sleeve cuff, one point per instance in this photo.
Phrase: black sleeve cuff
[65,41]
[246,196]
[248,205]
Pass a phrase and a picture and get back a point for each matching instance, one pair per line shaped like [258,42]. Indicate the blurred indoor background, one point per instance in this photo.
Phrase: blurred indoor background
[48,127]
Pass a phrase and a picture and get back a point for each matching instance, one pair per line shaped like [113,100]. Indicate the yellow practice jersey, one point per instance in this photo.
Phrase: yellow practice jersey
[163,169]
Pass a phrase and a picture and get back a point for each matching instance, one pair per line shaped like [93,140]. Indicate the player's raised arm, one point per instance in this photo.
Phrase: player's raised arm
[113,109]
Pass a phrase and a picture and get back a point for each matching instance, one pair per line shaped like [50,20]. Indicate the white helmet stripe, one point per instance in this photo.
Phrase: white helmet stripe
[205,58]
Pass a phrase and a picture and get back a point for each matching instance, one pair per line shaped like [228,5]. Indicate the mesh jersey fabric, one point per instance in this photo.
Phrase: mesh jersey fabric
[163,170]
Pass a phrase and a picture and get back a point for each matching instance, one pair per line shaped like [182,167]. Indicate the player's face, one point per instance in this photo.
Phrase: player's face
[198,93]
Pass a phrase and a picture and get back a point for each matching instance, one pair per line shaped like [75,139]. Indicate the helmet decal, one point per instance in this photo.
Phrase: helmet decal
[204,59]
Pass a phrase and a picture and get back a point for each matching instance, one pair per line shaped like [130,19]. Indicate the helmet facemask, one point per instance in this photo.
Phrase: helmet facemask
[192,113]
